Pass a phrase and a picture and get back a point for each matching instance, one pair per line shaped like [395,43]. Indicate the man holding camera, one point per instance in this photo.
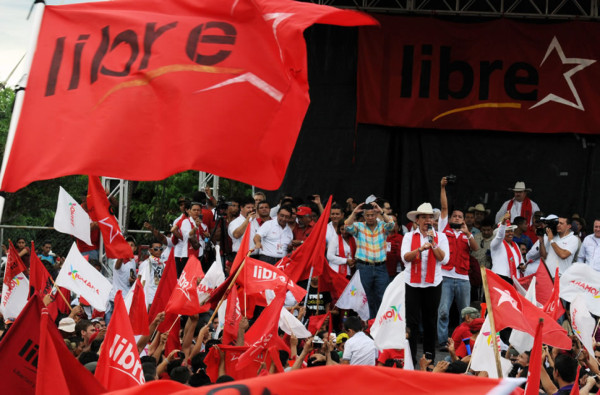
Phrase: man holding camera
[556,244]
[455,284]
[238,226]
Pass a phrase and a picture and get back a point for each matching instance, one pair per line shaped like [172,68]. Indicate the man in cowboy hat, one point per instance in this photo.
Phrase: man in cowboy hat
[371,251]
[506,255]
[520,205]
[423,252]
[480,212]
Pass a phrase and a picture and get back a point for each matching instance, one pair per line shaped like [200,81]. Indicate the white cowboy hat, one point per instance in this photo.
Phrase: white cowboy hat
[520,187]
[508,227]
[424,208]
[479,207]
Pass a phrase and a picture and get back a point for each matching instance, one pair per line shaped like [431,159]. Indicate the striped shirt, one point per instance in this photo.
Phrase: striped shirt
[370,244]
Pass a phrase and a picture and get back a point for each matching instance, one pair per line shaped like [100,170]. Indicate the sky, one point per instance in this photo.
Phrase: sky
[15,32]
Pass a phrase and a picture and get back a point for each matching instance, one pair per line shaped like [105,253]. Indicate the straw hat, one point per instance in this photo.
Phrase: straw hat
[424,208]
[479,207]
[520,187]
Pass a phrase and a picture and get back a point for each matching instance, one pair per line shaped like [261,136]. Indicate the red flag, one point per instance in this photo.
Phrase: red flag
[553,306]
[184,298]
[233,315]
[61,305]
[147,66]
[14,264]
[535,363]
[173,341]
[166,285]
[311,254]
[99,211]
[119,363]
[333,282]
[138,312]
[39,278]
[543,283]
[242,252]
[257,276]
[19,349]
[511,309]
[575,388]
[232,354]
[58,370]
[315,322]
[262,334]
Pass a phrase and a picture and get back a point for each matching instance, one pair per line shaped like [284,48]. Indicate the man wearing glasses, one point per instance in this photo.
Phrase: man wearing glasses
[151,271]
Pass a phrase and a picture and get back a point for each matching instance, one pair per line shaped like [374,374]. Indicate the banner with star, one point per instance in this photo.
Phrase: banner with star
[203,84]
[504,75]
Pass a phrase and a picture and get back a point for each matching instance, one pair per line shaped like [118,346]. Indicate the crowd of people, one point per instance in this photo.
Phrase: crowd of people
[440,252]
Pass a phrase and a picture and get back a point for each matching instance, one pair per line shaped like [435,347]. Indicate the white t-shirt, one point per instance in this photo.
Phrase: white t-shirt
[150,272]
[121,278]
[360,350]
[570,243]
[500,263]
[274,239]
[236,223]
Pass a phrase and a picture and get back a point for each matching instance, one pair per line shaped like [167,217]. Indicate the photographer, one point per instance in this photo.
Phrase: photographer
[556,244]
[238,226]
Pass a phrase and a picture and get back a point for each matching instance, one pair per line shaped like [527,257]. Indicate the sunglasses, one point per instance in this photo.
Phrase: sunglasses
[157,248]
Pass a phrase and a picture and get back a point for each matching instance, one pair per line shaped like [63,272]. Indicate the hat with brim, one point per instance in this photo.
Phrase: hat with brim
[67,325]
[520,187]
[480,208]
[423,209]
[508,227]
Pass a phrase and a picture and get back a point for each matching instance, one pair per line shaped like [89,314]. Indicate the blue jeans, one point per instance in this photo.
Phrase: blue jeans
[453,289]
[375,280]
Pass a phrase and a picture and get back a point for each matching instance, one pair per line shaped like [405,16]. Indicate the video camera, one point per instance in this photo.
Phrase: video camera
[548,223]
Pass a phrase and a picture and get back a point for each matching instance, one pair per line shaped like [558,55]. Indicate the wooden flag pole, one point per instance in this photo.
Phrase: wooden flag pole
[61,294]
[488,300]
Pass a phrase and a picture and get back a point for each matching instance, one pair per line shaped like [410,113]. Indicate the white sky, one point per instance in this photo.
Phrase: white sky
[15,31]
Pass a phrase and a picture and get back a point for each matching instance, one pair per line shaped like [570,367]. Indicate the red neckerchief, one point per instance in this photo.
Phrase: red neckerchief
[526,209]
[511,258]
[415,267]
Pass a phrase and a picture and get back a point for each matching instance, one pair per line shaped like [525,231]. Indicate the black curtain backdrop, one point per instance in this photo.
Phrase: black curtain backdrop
[334,155]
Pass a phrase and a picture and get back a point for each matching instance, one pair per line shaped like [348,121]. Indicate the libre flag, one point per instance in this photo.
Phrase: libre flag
[129,71]
[523,341]
[535,361]
[138,312]
[311,254]
[166,285]
[258,276]
[39,278]
[232,354]
[16,285]
[513,310]
[119,363]
[82,278]
[583,323]
[99,211]
[233,315]
[58,370]
[553,306]
[483,357]
[213,278]
[18,349]
[354,297]
[543,284]
[580,278]
[389,328]
[291,325]
[184,298]
[71,218]
[315,322]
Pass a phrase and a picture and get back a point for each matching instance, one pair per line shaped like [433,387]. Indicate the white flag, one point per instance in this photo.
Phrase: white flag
[583,323]
[523,341]
[82,278]
[70,218]
[482,357]
[581,279]
[389,328]
[354,297]
[290,325]
[212,279]
[14,295]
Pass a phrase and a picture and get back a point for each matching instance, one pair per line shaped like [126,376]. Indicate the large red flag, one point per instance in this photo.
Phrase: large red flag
[232,354]
[119,363]
[127,72]
[184,298]
[138,312]
[14,264]
[511,309]
[242,252]
[543,283]
[39,278]
[575,388]
[315,322]
[311,254]
[58,370]
[333,282]
[535,363]
[19,349]
[233,315]
[262,334]
[553,306]
[99,211]
[258,276]
[166,285]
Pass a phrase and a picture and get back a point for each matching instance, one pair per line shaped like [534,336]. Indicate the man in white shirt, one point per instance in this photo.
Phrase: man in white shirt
[590,248]
[557,250]
[274,237]
[336,216]
[123,277]
[151,271]
[520,205]
[359,348]
[505,253]
[238,226]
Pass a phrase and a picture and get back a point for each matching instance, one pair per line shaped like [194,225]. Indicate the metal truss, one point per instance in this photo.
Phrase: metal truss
[544,9]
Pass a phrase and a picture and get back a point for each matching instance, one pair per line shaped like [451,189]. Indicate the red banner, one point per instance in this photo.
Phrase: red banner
[207,84]
[499,75]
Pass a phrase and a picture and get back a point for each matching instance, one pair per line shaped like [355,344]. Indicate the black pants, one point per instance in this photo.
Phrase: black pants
[269,259]
[180,265]
[422,306]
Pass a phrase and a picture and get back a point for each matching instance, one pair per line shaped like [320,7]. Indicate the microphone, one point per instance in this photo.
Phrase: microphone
[429,237]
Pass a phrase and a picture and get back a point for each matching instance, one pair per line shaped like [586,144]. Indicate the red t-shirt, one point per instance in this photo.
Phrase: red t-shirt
[391,354]
[461,332]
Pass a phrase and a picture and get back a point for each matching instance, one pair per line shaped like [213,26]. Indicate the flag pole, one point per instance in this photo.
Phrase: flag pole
[308,285]
[488,300]
[61,294]
[212,317]
[38,13]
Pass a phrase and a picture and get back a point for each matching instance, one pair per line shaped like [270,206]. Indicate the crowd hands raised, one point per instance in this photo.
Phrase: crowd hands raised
[439,251]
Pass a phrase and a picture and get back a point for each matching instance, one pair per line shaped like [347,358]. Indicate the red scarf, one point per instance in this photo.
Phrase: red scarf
[415,267]
[191,250]
[526,209]
[511,258]
[342,252]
